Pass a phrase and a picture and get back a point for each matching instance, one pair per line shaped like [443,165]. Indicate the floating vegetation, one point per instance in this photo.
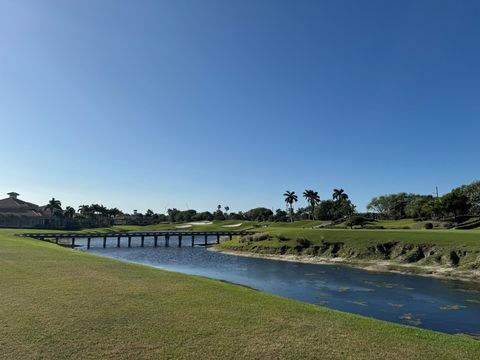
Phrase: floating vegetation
[310,274]
[410,319]
[322,303]
[452,307]
[474,301]
[396,305]
[368,290]
[343,289]
[408,288]
[472,291]
[324,294]
[361,303]
[380,284]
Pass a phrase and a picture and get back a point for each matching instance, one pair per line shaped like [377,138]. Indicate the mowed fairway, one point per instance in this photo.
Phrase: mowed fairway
[60,303]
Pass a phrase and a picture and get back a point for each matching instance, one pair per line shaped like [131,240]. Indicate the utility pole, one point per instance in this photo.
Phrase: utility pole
[436,191]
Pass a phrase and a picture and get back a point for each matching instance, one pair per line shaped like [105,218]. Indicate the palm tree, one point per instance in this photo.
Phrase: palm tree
[69,212]
[149,213]
[114,212]
[52,206]
[290,199]
[313,199]
[85,210]
[227,208]
[339,195]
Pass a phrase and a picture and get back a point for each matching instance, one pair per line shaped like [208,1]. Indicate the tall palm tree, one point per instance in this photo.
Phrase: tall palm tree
[313,199]
[339,195]
[227,208]
[114,212]
[52,206]
[85,210]
[290,199]
[69,212]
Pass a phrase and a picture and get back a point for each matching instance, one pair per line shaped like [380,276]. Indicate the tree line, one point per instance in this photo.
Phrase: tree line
[461,201]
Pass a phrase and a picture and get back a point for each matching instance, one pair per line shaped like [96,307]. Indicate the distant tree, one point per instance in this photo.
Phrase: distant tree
[280,215]
[313,199]
[114,212]
[85,210]
[472,192]
[325,210]
[53,205]
[69,212]
[290,199]
[456,203]
[173,214]
[227,208]
[203,216]
[339,195]
[149,213]
[259,214]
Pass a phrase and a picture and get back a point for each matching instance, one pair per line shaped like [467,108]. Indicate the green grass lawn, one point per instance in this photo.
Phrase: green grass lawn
[361,238]
[59,303]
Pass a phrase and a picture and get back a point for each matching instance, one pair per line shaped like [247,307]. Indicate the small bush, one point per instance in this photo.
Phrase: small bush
[260,237]
[253,238]
[281,237]
[302,242]
[428,226]
[356,221]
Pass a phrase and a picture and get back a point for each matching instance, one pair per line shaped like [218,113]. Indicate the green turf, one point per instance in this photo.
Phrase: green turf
[59,303]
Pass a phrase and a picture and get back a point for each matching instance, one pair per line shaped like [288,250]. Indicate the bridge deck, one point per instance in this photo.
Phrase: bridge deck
[137,234]
[133,234]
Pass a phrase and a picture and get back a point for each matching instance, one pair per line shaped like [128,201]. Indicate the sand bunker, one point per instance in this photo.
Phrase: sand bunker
[183,226]
[201,223]
[233,225]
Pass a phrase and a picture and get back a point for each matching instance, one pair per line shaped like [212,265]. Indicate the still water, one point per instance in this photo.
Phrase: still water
[447,306]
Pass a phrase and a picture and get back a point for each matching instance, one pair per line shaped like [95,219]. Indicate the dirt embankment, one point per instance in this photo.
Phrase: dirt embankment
[419,259]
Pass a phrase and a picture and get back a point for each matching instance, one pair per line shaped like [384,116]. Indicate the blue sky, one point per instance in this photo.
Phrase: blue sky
[156,104]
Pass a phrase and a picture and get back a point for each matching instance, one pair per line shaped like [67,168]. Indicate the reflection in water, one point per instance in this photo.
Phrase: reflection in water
[448,306]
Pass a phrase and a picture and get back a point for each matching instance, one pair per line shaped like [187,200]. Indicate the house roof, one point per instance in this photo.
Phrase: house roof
[14,206]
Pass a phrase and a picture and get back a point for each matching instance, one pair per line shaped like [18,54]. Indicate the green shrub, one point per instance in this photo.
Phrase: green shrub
[356,220]
[302,242]
[252,238]
[282,237]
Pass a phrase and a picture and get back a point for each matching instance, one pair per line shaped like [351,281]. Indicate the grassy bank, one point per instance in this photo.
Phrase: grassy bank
[59,303]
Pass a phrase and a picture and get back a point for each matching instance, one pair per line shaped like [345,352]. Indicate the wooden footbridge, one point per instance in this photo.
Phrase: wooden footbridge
[205,237]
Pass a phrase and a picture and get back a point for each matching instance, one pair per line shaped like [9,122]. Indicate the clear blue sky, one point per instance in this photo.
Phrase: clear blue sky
[155,104]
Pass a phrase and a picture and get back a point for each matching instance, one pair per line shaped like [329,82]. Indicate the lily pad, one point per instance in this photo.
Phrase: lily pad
[452,307]
[396,305]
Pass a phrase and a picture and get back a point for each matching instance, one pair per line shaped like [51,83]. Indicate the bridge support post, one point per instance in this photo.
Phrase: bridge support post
[88,243]
[230,236]
[118,241]
[206,240]
[73,242]
[104,242]
[218,239]
[143,241]
[193,240]
[167,240]
[129,241]
[155,241]
[179,240]
[56,240]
